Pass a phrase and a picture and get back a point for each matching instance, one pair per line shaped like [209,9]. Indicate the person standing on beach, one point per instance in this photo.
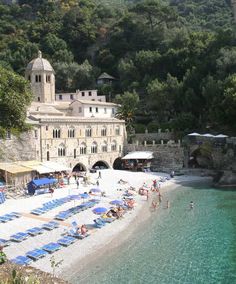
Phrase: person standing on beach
[3,257]
[167,204]
[160,197]
[99,174]
[147,194]
[77,183]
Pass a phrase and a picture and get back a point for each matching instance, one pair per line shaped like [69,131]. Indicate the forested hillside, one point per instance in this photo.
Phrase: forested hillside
[177,56]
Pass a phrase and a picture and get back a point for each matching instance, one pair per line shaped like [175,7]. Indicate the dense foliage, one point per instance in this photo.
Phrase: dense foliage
[179,56]
[15,96]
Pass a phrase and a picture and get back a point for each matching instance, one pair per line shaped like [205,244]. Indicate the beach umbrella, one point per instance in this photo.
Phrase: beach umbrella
[117,202]
[99,210]
[95,190]
[194,134]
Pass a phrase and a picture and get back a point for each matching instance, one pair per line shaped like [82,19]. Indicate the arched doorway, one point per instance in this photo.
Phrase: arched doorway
[201,158]
[79,168]
[117,165]
[100,165]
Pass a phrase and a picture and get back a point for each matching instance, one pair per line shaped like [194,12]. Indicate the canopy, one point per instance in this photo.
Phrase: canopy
[207,135]
[56,167]
[194,134]
[43,181]
[117,202]
[221,136]
[14,168]
[139,155]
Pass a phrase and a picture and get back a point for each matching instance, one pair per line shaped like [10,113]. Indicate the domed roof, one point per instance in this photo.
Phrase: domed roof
[39,64]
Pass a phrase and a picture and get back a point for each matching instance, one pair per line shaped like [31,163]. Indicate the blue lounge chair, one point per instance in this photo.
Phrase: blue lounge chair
[36,254]
[5,219]
[22,260]
[4,242]
[66,241]
[19,237]
[51,247]
[9,216]
[54,223]
[48,226]
[38,211]
[16,214]
[34,231]
[74,234]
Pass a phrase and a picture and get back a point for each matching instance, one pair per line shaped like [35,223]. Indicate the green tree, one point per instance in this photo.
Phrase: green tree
[128,103]
[15,97]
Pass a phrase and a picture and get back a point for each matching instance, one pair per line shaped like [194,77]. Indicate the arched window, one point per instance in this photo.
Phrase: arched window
[113,145]
[82,149]
[104,131]
[104,146]
[94,148]
[117,130]
[71,132]
[61,150]
[88,132]
[56,133]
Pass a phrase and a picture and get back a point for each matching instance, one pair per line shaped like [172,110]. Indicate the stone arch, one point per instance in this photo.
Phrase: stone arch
[200,157]
[79,167]
[101,165]
[117,165]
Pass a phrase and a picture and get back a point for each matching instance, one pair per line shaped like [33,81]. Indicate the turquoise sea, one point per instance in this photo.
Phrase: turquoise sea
[176,245]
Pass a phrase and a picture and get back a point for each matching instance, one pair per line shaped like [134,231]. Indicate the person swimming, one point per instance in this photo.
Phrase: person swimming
[191,205]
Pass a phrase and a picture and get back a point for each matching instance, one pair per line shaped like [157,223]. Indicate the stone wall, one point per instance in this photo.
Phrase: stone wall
[139,138]
[22,148]
[166,157]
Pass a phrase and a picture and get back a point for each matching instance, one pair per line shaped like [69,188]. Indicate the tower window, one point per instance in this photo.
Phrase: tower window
[71,97]
[90,93]
[29,78]
[82,94]
[60,97]
[96,109]
[90,109]
[48,156]
[39,78]
[48,79]
[38,99]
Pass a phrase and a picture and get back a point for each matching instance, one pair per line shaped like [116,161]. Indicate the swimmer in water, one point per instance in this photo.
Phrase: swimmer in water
[191,205]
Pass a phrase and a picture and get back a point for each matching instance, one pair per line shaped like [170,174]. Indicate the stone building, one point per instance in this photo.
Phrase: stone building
[79,129]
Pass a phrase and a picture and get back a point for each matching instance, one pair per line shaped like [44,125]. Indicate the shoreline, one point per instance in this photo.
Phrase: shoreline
[82,253]
[122,237]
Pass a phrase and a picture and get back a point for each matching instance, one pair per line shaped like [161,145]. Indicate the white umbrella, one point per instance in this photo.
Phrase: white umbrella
[221,136]
[194,134]
[208,135]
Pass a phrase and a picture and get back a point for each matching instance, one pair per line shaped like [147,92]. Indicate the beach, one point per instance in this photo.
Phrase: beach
[79,254]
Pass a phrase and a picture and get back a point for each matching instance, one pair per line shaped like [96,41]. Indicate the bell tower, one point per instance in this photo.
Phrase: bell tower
[42,80]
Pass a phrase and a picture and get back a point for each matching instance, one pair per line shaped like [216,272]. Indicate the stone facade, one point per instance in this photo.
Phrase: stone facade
[75,130]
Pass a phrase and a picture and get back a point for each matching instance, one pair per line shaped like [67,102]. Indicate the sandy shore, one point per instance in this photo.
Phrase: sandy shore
[79,254]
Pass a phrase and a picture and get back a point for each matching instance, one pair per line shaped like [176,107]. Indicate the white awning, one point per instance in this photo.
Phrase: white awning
[194,134]
[41,169]
[208,135]
[139,155]
[221,136]
[56,167]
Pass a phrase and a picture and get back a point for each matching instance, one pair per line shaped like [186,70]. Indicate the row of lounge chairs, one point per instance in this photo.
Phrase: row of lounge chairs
[21,236]
[49,248]
[9,217]
[50,205]
[63,215]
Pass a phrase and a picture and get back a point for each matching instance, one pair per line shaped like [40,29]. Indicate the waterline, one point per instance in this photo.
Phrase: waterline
[177,245]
